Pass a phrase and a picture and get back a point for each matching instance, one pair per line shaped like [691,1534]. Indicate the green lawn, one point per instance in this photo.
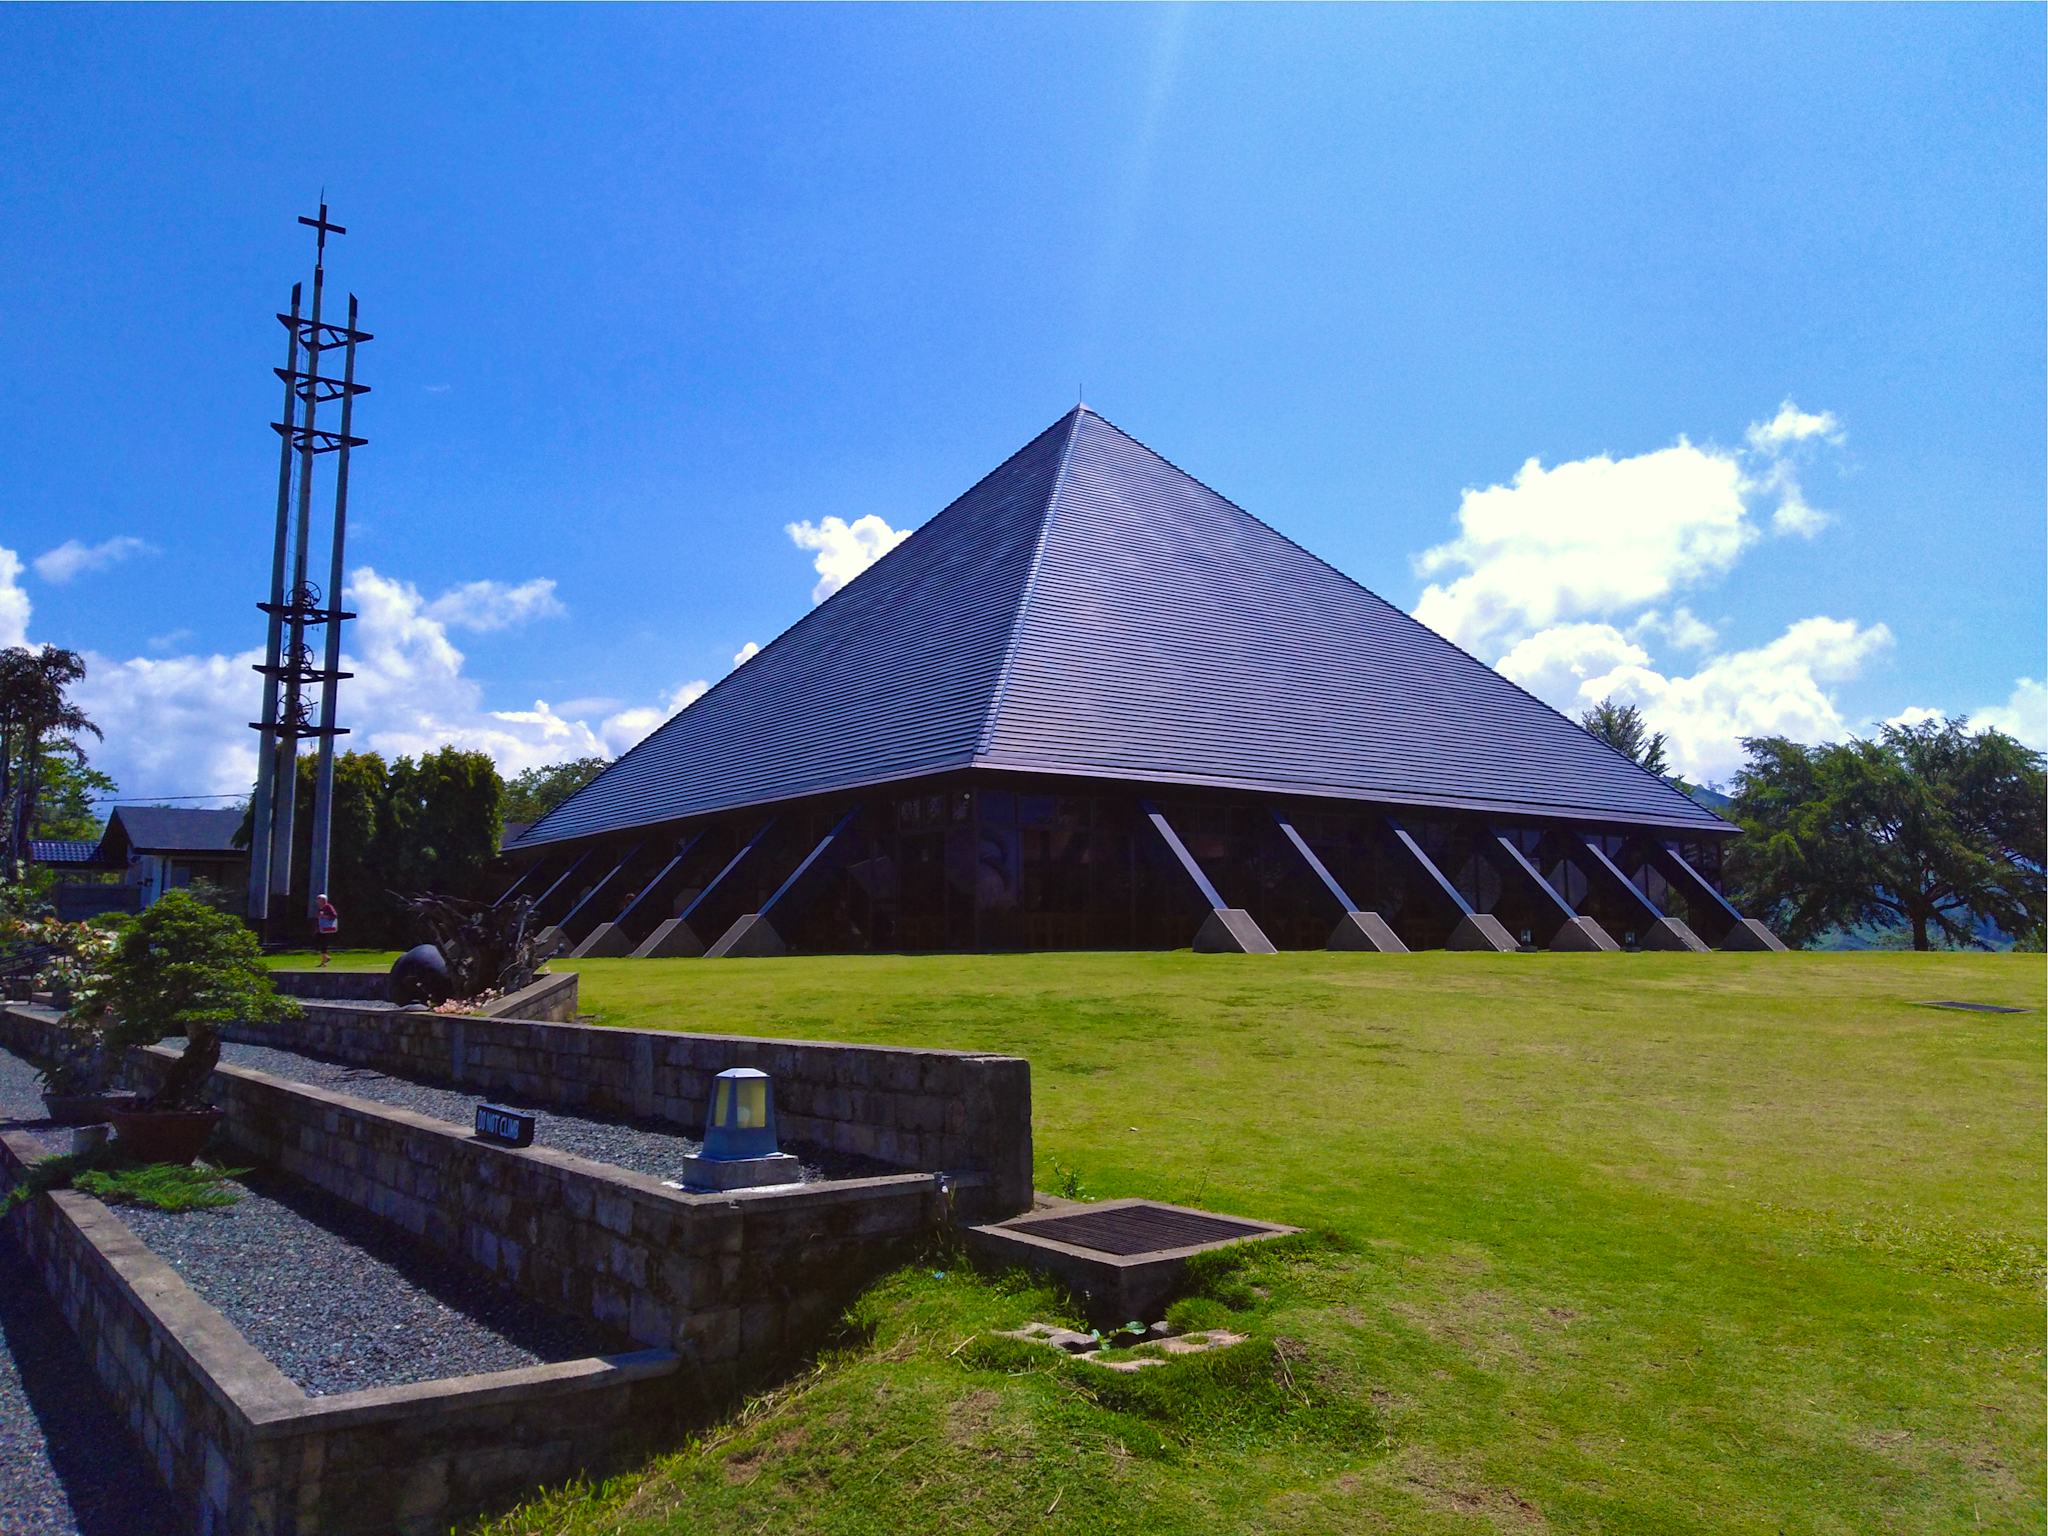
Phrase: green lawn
[1605,1243]
[340,959]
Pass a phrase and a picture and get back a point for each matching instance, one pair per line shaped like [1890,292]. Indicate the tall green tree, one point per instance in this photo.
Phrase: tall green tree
[536,791]
[354,876]
[37,718]
[73,798]
[1623,728]
[1931,827]
[442,823]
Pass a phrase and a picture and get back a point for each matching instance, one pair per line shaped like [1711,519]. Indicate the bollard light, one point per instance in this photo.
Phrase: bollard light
[739,1137]
[742,1120]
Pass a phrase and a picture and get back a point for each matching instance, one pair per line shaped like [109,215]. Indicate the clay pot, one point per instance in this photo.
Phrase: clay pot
[163,1135]
[86,1108]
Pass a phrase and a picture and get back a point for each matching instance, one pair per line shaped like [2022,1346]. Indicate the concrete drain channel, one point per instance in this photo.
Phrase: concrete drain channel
[1122,1258]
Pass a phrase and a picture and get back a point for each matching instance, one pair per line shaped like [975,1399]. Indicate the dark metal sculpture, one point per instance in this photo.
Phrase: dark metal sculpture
[479,948]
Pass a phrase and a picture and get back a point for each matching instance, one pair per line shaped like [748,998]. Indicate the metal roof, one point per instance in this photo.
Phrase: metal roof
[1090,609]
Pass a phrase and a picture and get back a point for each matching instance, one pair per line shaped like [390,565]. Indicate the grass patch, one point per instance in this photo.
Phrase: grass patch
[164,1186]
[338,960]
[1638,1243]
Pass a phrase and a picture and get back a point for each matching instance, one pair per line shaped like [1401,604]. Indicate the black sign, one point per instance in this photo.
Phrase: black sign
[508,1126]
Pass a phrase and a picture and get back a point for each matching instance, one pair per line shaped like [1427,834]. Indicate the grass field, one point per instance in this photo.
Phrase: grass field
[1604,1243]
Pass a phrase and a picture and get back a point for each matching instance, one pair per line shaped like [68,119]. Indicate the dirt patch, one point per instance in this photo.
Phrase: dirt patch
[969,1419]
[1505,1508]
[746,1464]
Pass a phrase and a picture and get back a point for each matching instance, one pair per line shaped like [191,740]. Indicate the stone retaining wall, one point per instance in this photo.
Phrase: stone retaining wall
[953,1111]
[244,1452]
[753,1274]
[356,986]
[551,997]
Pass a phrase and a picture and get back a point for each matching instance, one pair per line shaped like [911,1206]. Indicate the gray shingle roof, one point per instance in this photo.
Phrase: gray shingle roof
[1090,609]
[177,829]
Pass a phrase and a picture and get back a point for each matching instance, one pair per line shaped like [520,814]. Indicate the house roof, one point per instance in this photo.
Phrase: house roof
[61,850]
[1090,609]
[174,829]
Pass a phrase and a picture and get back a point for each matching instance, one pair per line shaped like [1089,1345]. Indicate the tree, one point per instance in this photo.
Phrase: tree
[355,878]
[72,792]
[1931,826]
[442,822]
[182,968]
[536,791]
[37,717]
[1622,727]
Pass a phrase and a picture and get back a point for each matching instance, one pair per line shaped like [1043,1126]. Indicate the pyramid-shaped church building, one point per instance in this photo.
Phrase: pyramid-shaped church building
[1093,704]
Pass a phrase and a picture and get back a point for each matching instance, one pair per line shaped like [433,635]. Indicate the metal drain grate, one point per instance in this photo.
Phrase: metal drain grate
[1127,1230]
[1976,1007]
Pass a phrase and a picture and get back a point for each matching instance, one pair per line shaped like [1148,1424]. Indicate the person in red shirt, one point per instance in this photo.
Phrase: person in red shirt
[327,922]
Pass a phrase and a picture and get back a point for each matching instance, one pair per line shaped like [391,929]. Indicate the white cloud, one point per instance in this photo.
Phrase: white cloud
[483,606]
[844,549]
[170,640]
[1778,689]
[71,558]
[1566,578]
[1795,517]
[179,724]
[1682,627]
[1774,445]
[2023,716]
[1591,538]
[1913,715]
[14,604]
[1558,664]
[745,654]
[1792,425]
[1584,540]
[174,725]
[629,727]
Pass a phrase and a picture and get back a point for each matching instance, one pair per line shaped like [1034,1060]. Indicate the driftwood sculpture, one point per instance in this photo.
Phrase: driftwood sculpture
[473,949]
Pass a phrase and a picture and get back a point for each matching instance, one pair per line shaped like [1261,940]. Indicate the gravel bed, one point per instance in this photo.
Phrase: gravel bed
[21,1108]
[340,1300]
[639,1146]
[68,1466]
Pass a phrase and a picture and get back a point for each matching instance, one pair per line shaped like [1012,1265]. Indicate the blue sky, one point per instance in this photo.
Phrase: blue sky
[1759,290]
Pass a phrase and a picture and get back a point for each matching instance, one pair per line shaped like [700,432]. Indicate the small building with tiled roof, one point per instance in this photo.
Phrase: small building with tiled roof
[1092,703]
[160,848]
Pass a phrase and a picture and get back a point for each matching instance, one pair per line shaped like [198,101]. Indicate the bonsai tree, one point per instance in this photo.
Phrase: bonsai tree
[182,968]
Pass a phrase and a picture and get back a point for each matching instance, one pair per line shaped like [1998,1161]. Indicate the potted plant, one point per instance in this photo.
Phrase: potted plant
[180,969]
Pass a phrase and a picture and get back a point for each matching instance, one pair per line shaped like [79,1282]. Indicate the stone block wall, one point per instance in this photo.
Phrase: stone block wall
[244,1452]
[960,1112]
[549,997]
[724,1280]
[355,986]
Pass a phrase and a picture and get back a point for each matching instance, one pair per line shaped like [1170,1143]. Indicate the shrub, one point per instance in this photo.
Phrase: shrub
[182,968]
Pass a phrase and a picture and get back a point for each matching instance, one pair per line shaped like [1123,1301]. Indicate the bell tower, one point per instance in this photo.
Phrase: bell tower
[302,642]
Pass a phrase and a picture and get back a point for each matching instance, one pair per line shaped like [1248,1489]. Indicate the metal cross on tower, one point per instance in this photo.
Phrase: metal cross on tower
[290,670]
